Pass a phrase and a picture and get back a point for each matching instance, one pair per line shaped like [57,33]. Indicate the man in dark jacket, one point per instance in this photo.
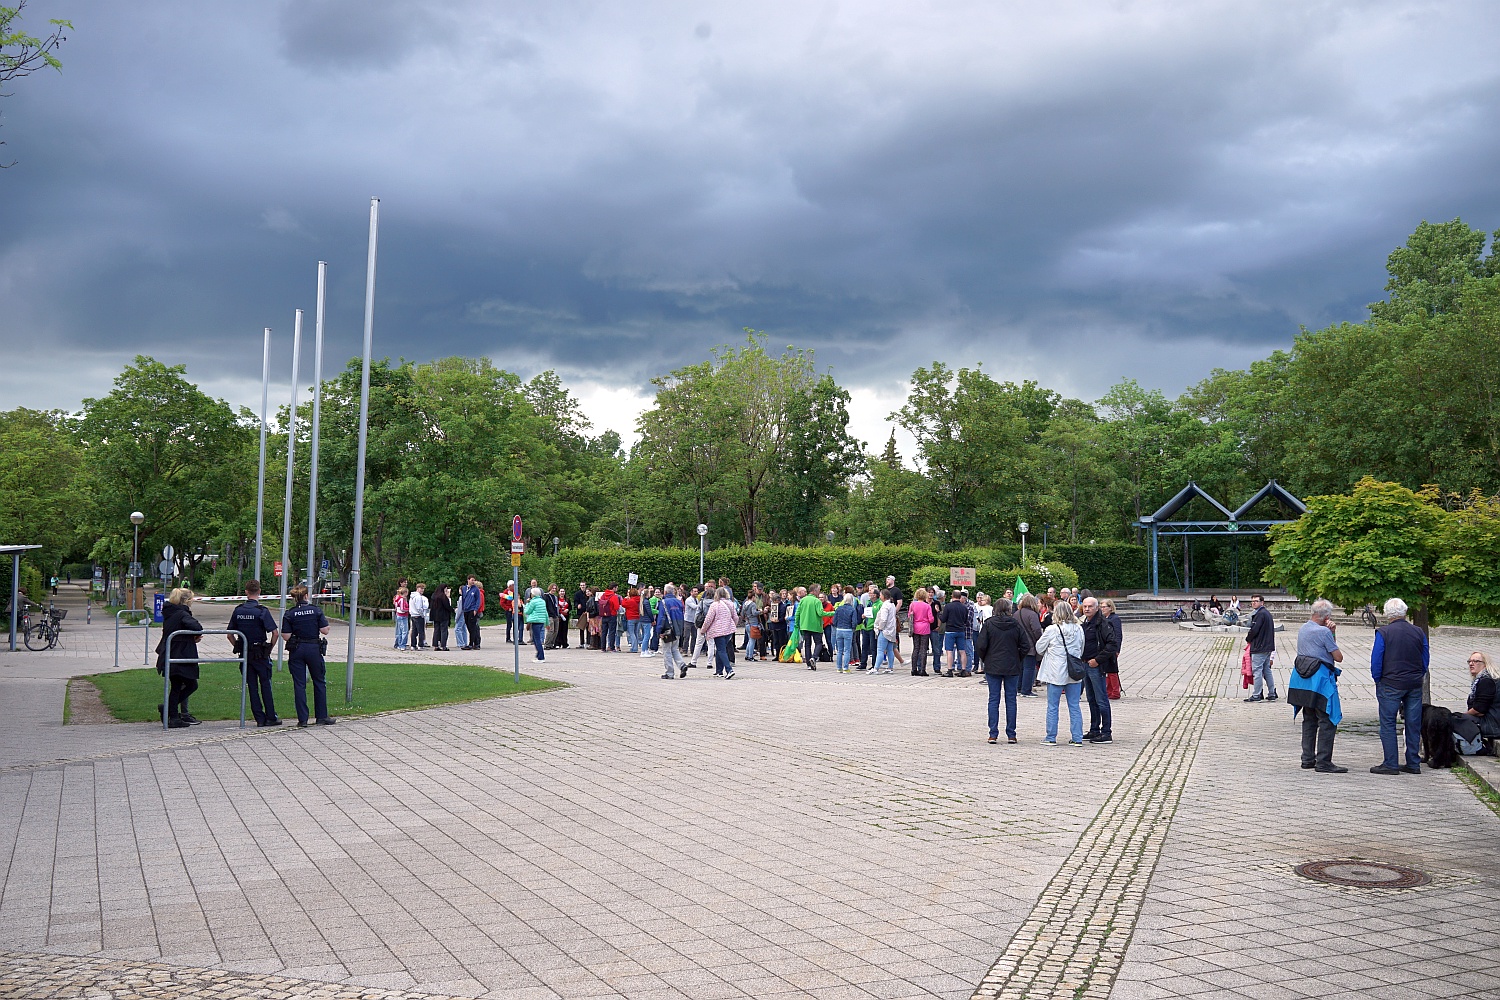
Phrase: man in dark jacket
[956,617]
[1398,663]
[1100,647]
[1262,641]
[1000,648]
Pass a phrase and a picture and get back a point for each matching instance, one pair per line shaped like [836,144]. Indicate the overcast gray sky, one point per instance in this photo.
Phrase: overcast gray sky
[1066,191]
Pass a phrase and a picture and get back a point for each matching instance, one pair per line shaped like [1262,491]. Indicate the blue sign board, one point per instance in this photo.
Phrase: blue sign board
[156,604]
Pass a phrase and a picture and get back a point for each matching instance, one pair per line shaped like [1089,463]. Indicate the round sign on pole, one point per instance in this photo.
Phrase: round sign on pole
[164,570]
[515,528]
[168,552]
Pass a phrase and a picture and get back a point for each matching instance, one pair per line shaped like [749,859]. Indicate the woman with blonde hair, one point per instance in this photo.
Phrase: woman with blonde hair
[1484,694]
[1059,640]
[177,619]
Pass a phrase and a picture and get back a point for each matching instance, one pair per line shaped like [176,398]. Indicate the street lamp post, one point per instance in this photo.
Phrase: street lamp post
[829,536]
[1024,528]
[555,542]
[702,534]
[136,518]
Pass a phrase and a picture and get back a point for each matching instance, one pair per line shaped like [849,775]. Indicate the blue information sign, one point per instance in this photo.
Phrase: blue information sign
[156,604]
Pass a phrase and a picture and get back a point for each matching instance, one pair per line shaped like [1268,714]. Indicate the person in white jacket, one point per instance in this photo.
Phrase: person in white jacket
[1058,639]
[417,608]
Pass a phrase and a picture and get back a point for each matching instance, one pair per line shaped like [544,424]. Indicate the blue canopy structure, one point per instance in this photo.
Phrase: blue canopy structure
[1233,523]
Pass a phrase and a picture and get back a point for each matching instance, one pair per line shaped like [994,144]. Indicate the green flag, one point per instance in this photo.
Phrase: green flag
[1019,589]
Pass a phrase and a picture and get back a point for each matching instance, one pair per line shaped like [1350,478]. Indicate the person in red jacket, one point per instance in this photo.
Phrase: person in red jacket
[632,605]
[609,623]
[508,609]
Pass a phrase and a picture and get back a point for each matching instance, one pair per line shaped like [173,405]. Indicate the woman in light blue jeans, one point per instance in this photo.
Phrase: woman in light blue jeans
[1062,637]
[845,617]
[885,635]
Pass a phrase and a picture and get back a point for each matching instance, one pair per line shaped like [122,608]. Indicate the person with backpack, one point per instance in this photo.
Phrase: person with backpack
[609,624]
[670,625]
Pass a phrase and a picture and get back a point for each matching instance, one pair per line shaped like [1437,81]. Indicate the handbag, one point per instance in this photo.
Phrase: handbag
[1306,666]
[755,632]
[1078,669]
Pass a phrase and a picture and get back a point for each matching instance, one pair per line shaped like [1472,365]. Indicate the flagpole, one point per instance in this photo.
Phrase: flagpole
[312,484]
[291,447]
[260,489]
[359,475]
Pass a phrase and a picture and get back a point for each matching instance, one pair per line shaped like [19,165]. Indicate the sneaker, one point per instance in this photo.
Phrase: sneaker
[190,719]
[729,676]
[1382,769]
[1254,697]
[1010,739]
[1075,743]
[326,722]
[1049,743]
[1333,769]
[1411,769]
[1100,740]
[994,739]
[1272,697]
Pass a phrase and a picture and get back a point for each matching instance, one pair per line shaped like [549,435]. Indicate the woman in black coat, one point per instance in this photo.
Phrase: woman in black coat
[1001,646]
[177,618]
[1484,694]
[440,608]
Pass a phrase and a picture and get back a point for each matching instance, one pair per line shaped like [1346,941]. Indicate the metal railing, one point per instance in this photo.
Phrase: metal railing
[146,656]
[243,660]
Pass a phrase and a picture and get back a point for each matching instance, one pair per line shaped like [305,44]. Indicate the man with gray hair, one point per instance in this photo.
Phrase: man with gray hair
[1313,688]
[1398,663]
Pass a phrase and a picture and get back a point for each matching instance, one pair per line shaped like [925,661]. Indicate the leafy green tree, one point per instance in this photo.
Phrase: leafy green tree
[729,436]
[40,503]
[1379,541]
[1430,270]
[980,442]
[22,53]
[158,444]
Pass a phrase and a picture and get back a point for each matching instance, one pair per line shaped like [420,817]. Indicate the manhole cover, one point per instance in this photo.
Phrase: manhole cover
[1364,874]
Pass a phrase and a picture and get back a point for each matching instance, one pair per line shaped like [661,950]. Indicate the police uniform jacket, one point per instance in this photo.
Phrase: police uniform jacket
[305,621]
[253,619]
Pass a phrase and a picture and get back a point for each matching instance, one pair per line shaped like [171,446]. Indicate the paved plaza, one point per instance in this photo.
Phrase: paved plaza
[787,834]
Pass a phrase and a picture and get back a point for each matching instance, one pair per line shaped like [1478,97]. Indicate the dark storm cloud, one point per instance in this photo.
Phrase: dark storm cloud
[1069,191]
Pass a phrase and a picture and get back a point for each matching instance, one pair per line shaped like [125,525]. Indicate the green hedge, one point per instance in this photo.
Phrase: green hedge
[996,581]
[1108,566]
[1099,567]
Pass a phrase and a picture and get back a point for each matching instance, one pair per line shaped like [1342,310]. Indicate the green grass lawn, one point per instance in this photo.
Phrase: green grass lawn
[132,695]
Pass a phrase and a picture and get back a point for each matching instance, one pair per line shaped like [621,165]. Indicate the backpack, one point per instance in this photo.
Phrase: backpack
[702,615]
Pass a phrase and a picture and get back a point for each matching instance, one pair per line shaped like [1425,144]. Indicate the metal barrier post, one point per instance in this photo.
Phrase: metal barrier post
[118,626]
[243,660]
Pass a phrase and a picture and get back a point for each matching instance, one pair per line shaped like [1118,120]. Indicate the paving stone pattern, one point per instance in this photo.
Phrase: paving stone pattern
[1073,942]
[789,834]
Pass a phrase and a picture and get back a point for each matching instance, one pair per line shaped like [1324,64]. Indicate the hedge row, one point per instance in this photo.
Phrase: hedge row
[1100,567]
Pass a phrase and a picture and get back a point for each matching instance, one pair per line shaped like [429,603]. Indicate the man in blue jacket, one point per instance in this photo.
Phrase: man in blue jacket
[469,605]
[1399,663]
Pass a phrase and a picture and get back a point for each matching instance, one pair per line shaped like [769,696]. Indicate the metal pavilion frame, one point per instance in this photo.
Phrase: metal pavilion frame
[1232,525]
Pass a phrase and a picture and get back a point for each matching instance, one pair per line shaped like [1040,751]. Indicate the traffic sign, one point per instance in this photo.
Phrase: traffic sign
[164,569]
[278,567]
[325,567]
[168,552]
[515,558]
[135,569]
[518,548]
[515,528]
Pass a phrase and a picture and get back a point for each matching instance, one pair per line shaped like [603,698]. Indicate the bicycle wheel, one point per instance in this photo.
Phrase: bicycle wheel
[39,637]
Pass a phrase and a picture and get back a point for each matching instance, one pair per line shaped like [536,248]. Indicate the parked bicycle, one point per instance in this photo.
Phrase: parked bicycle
[1367,615]
[45,633]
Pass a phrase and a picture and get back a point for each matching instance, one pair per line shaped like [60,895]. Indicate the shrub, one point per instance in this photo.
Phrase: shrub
[789,566]
[1037,577]
[223,582]
[1106,566]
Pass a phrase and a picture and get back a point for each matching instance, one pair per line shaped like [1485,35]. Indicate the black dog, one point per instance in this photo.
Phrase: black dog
[1437,736]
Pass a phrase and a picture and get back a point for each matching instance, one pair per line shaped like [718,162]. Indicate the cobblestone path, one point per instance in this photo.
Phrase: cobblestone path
[1072,945]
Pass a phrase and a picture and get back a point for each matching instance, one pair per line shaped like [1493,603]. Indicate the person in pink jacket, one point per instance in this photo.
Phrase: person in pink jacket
[921,631]
[719,627]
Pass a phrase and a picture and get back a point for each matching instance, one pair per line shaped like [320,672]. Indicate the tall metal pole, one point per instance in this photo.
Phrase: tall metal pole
[135,564]
[291,447]
[260,489]
[312,484]
[359,475]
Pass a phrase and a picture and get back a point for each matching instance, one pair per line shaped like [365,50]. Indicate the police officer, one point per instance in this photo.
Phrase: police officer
[305,626]
[259,628]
